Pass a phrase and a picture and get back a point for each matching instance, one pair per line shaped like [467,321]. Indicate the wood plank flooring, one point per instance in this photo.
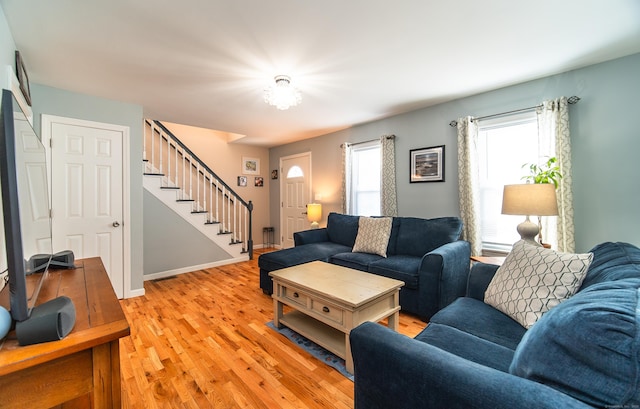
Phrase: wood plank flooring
[199,340]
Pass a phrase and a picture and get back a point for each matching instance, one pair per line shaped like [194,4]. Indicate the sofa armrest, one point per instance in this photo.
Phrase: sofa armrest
[479,279]
[310,236]
[444,272]
[394,371]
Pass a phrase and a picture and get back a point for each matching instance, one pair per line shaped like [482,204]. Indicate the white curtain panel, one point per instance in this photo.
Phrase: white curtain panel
[388,195]
[554,137]
[346,175]
[468,183]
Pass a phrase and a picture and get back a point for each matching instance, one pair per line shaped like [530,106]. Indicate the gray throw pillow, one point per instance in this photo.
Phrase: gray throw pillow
[373,235]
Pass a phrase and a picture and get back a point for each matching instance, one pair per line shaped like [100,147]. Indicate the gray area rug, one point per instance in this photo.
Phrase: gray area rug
[314,349]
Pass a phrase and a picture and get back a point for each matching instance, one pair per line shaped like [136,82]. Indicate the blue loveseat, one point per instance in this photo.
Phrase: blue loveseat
[582,353]
[426,254]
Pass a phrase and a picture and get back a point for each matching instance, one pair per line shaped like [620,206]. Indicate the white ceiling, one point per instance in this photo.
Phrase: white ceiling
[205,63]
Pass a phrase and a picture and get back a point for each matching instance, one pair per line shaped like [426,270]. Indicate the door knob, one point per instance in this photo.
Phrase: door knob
[116,224]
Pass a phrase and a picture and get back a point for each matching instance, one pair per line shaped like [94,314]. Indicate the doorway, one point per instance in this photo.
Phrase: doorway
[295,194]
[89,182]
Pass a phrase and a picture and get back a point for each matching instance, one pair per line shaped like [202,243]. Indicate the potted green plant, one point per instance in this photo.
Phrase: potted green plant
[548,172]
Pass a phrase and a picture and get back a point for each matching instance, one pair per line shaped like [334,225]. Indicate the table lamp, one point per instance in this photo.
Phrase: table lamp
[314,214]
[531,199]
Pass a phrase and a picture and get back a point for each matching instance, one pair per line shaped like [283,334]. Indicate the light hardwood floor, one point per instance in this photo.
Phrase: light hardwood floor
[199,340]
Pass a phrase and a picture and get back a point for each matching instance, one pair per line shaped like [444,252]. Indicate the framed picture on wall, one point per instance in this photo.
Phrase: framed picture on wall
[259,181]
[250,166]
[242,181]
[23,78]
[427,164]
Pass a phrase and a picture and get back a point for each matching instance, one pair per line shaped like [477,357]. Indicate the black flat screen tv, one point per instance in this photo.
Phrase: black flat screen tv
[26,212]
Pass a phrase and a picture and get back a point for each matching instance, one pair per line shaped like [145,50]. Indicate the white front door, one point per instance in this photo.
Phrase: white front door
[295,194]
[87,192]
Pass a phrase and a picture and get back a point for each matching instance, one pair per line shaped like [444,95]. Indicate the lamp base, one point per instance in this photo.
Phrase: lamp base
[528,231]
[314,225]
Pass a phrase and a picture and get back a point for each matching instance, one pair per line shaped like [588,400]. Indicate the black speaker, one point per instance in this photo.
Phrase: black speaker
[63,259]
[50,321]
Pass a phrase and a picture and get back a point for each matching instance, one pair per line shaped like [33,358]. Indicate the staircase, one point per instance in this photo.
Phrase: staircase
[178,178]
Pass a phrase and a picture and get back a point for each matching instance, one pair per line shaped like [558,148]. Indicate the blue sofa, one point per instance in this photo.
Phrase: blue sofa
[583,353]
[426,254]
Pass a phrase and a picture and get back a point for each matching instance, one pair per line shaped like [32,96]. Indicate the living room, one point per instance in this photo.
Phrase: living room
[605,147]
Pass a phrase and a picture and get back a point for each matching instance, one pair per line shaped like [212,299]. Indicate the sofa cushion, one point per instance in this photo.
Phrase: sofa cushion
[467,346]
[533,279]
[613,261]
[342,228]
[482,320]
[358,261]
[373,235]
[588,346]
[417,237]
[403,268]
[305,253]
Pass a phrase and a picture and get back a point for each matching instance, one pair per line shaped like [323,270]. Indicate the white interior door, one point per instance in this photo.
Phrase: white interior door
[34,201]
[88,195]
[295,193]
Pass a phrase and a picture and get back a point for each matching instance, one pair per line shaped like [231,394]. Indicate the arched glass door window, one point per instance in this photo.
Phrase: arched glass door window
[295,172]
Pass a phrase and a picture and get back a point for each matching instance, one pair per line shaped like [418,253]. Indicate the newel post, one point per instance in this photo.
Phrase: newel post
[250,239]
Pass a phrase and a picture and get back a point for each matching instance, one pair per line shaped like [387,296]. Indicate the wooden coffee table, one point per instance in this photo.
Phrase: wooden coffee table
[327,301]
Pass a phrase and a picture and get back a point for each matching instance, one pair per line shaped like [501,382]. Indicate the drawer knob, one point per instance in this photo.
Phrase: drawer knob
[296,295]
[325,309]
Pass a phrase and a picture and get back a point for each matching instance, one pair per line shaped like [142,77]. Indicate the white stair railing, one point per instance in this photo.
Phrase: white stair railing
[195,182]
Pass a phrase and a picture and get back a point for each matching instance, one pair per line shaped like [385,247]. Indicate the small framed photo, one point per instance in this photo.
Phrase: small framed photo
[23,78]
[250,166]
[242,181]
[427,164]
[259,181]
[274,174]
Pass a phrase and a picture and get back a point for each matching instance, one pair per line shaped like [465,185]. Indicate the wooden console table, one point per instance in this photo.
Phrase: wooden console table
[81,370]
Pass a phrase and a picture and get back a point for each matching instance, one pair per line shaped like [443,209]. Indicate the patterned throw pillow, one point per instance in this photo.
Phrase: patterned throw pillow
[532,280]
[373,235]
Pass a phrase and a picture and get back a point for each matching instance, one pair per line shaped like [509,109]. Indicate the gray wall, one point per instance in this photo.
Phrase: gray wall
[605,140]
[164,230]
[53,101]
[7,45]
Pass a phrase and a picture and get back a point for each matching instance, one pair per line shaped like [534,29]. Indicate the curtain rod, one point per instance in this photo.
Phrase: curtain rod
[371,140]
[571,100]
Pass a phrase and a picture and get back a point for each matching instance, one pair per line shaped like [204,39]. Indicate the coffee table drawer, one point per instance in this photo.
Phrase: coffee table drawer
[296,296]
[328,311]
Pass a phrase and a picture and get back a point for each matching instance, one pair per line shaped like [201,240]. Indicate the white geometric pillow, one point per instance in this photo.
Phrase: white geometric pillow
[533,279]
[373,235]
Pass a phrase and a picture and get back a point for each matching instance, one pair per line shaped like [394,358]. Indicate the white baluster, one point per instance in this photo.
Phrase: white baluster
[153,149]
[144,141]
[210,209]
[222,212]
[190,177]
[184,174]
[217,199]
[176,162]
[235,219]
[160,152]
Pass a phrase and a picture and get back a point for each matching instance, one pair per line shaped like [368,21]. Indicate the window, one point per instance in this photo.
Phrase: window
[364,184]
[295,172]
[504,145]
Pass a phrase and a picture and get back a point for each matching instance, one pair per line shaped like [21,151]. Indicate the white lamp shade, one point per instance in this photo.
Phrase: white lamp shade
[314,212]
[531,199]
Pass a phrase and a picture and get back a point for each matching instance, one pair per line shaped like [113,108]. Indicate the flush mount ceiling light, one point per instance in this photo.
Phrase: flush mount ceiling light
[282,95]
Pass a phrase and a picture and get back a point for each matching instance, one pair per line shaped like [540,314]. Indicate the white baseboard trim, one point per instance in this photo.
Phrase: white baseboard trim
[135,293]
[171,273]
